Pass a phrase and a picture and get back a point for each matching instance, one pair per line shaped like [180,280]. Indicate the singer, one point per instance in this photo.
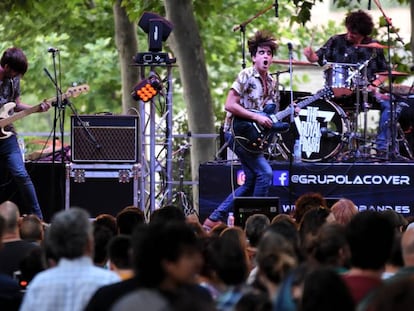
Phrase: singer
[254,88]
[13,65]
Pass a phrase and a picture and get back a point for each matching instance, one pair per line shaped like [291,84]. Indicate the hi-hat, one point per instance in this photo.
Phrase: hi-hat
[393,73]
[373,45]
[294,62]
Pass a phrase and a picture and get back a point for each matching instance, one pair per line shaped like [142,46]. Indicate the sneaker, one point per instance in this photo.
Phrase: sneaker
[210,224]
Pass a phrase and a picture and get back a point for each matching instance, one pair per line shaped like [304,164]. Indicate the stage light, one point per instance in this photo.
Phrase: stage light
[157,28]
[147,89]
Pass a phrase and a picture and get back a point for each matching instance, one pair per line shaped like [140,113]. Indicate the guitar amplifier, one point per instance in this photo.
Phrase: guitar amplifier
[104,139]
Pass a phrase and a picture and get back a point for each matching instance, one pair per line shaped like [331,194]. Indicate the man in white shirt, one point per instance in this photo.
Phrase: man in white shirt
[70,284]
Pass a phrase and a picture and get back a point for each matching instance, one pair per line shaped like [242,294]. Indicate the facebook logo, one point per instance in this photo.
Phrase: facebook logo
[280,178]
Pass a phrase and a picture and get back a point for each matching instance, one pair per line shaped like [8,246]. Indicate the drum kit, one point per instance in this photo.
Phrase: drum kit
[328,129]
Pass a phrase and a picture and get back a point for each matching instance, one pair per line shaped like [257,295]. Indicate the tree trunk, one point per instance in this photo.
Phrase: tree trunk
[186,43]
[127,45]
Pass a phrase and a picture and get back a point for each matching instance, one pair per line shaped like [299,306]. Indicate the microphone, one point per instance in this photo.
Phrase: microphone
[276,9]
[52,50]
[290,47]
[325,132]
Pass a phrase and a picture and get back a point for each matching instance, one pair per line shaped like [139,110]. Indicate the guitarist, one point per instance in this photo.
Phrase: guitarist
[253,88]
[13,65]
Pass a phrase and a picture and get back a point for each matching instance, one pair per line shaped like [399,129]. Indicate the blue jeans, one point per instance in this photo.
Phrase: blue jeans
[384,130]
[258,173]
[10,153]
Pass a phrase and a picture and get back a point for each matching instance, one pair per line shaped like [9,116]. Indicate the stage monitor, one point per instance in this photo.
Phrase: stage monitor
[247,206]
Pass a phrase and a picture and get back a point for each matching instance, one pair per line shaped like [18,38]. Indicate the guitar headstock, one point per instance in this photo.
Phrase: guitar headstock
[75,91]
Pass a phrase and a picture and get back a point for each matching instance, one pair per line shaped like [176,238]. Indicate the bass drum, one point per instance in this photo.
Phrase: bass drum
[321,128]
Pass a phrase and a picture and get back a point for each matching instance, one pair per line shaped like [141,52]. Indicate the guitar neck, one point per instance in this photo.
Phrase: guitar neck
[19,115]
[71,92]
[284,113]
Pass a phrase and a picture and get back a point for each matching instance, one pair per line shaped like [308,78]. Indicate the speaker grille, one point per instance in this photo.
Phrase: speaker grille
[111,139]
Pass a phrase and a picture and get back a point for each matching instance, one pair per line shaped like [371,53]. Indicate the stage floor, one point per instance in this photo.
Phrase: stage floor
[372,186]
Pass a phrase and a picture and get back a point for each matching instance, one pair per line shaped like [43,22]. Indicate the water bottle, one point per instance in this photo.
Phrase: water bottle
[297,152]
[230,220]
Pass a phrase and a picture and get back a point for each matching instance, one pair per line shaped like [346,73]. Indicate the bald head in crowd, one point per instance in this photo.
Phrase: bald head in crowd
[11,215]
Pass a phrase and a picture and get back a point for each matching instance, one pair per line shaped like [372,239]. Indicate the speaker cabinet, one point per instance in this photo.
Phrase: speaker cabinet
[104,139]
[101,188]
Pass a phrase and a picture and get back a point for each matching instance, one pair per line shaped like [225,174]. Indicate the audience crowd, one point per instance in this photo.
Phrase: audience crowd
[318,258]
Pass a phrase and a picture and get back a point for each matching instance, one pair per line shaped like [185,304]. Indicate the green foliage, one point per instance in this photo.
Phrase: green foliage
[83,31]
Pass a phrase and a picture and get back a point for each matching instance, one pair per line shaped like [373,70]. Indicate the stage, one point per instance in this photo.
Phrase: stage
[372,186]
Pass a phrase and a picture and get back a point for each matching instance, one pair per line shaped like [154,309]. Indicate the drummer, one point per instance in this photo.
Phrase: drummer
[346,48]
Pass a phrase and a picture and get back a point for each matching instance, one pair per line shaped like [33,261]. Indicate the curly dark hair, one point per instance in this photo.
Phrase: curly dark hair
[262,38]
[359,22]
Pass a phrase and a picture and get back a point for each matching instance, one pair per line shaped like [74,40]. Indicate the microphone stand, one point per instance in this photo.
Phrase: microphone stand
[292,121]
[242,28]
[57,106]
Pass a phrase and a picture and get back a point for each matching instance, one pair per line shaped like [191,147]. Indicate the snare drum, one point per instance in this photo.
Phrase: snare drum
[337,76]
[321,127]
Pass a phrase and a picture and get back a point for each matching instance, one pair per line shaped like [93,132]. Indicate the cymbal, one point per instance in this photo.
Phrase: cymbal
[373,45]
[393,73]
[294,62]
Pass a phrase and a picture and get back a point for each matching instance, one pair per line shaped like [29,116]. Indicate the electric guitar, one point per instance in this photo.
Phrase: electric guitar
[7,117]
[255,138]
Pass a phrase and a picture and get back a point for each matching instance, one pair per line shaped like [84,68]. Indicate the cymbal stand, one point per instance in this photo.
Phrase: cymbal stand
[360,85]
[392,154]
[365,106]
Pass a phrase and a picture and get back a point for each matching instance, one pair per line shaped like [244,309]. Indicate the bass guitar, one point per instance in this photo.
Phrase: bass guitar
[7,117]
[256,138]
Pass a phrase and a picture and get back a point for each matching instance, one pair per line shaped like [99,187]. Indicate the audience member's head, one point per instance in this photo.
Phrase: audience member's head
[310,225]
[119,255]
[32,264]
[2,227]
[230,260]
[370,236]
[407,247]
[217,230]
[288,230]
[102,234]
[193,221]
[108,221]
[166,214]
[255,226]
[31,228]
[166,254]
[11,215]
[128,218]
[324,290]
[397,220]
[275,257]
[307,201]
[254,301]
[331,248]
[344,210]
[394,296]
[395,260]
[70,234]
[283,217]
